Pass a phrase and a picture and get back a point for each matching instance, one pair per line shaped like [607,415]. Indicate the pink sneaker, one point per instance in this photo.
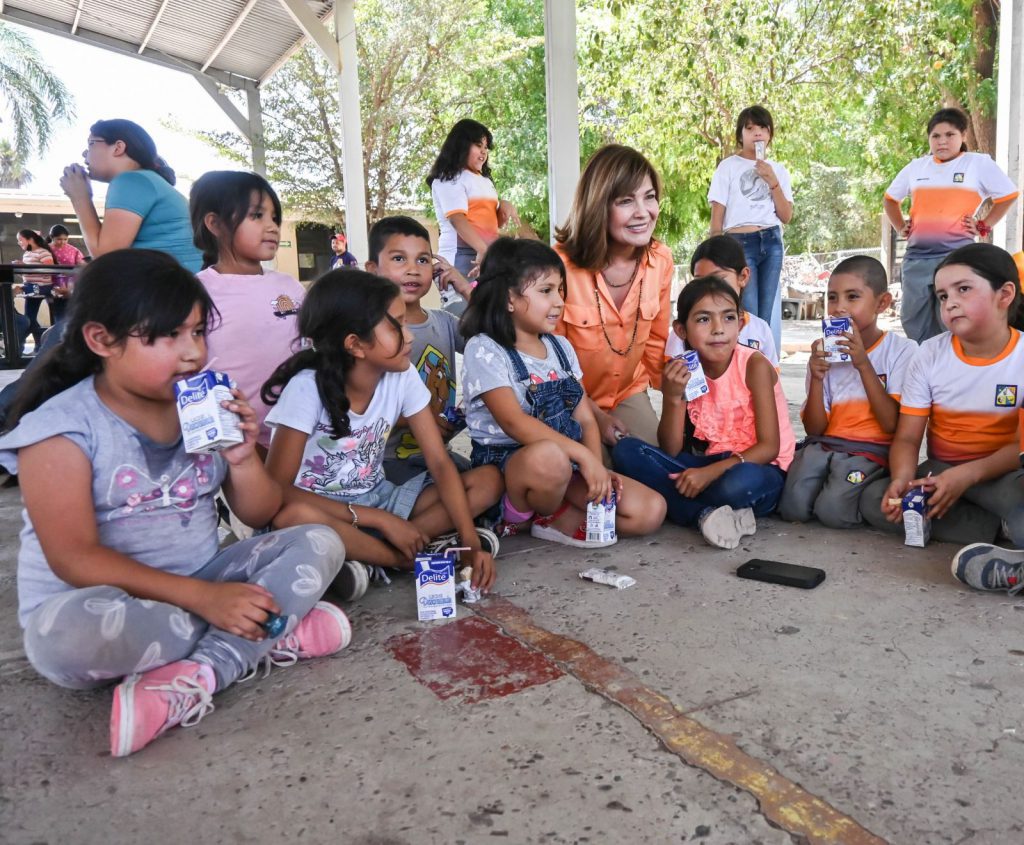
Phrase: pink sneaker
[147,705]
[325,630]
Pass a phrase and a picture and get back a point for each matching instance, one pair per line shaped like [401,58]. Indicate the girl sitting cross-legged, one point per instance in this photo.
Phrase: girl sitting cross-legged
[119,570]
[742,418]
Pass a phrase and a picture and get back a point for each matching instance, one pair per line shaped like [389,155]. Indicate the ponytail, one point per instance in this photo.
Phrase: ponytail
[139,145]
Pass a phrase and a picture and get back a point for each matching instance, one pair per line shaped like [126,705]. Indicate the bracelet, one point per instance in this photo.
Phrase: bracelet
[355,516]
[740,456]
[773,187]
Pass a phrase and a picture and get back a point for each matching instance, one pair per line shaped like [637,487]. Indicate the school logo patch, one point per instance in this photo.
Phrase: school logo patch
[884,379]
[958,177]
[753,344]
[1006,395]
[856,477]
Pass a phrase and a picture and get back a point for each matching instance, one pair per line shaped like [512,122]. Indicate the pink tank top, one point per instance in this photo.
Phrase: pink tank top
[724,416]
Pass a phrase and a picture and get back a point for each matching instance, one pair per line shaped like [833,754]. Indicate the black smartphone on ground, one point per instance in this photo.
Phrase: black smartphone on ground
[787,574]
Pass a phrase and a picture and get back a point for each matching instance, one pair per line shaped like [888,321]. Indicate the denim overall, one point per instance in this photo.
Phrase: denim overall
[551,402]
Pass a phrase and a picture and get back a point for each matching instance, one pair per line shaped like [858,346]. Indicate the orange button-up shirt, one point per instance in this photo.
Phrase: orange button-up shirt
[610,378]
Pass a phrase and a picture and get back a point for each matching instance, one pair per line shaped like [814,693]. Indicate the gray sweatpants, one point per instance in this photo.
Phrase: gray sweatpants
[828,485]
[919,310]
[975,518]
[85,638]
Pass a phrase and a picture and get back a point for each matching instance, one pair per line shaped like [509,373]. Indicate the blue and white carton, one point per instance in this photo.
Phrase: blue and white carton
[917,525]
[601,521]
[698,383]
[205,425]
[435,587]
[833,328]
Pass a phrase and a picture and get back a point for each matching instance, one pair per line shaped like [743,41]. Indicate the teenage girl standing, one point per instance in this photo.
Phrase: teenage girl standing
[466,203]
[751,199]
[946,188]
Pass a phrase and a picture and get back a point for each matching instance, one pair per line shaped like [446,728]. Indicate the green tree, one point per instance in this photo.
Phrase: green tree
[421,69]
[13,173]
[32,98]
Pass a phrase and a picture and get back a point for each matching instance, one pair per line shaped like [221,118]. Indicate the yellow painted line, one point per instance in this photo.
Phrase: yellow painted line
[781,801]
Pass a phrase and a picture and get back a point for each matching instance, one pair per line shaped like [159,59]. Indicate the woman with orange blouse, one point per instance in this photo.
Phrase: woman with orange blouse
[618,289]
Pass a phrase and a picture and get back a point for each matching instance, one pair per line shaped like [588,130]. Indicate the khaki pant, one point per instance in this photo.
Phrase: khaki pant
[638,415]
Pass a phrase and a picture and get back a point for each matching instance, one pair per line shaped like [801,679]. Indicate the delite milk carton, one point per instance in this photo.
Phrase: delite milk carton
[833,328]
[917,525]
[435,587]
[698,384]
[205,425]
[601,521]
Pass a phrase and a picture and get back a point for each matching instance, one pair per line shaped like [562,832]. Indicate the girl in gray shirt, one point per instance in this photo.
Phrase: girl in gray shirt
[119,573]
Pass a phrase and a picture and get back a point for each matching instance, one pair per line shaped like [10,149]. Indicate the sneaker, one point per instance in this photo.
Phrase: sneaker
[724,527]
[987,567]
[352,581]
[542,529]
[488,541]
[147,705]
[325,630]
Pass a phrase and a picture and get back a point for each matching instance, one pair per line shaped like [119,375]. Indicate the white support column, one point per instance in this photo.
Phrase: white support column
[351,129]
[1010,116]
[256,140]
[562,106]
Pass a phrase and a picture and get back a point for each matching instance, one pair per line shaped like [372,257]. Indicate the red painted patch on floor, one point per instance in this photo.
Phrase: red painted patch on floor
[471,660]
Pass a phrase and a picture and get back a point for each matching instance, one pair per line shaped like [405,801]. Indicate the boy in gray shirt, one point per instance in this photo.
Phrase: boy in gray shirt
[400,251]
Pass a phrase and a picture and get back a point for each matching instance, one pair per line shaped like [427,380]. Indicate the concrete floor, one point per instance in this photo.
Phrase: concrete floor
[886,705]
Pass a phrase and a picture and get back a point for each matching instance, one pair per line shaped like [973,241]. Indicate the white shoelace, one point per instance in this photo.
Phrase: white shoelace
[377,573]
[184,710]
[1001,574]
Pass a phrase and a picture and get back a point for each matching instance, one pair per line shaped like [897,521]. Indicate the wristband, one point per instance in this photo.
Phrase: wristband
[984,230]
[355,516]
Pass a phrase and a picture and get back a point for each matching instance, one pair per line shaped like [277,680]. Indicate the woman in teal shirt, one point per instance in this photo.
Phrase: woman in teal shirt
[142,209]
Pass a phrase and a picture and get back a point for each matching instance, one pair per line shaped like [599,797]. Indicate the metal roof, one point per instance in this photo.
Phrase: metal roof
[235,42]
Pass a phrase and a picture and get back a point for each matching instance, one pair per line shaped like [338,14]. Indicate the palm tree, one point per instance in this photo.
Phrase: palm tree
[13,173]
[31,97]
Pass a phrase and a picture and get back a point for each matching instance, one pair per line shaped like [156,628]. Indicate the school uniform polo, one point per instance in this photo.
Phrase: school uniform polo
[973,404]
[942,193]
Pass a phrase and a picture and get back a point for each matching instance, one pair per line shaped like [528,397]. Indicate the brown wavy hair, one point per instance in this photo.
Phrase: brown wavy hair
[612,172]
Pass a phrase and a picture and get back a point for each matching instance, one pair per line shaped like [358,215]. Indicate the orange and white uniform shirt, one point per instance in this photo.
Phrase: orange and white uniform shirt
[973,404]
[942,193]
[755,333]
[846,403]
[468,193]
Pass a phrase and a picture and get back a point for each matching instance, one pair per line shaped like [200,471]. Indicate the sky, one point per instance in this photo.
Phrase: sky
[108,85]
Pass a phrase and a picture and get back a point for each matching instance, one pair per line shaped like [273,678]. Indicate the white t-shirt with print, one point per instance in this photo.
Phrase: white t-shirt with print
[349,466]
[745,195]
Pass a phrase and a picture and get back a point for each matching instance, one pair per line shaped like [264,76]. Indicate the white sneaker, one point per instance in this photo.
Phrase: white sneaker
[724,527]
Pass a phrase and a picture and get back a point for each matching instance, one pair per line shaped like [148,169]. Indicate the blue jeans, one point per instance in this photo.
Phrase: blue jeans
[743,486]
[764,251]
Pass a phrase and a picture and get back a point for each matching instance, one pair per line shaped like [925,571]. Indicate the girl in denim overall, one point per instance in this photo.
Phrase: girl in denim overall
[524,409]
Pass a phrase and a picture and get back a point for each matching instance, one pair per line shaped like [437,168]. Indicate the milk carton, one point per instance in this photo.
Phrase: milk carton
[917,525]
[205,425]
[601,521]
[833,328]
[698,383]
[435,587]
